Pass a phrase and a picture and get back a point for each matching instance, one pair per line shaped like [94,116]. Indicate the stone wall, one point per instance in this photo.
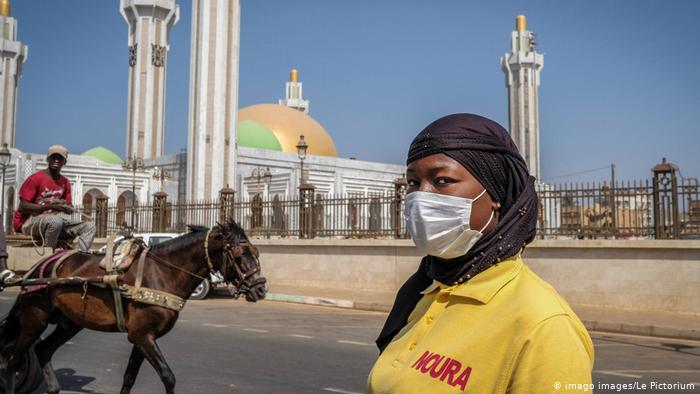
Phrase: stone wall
[644,274]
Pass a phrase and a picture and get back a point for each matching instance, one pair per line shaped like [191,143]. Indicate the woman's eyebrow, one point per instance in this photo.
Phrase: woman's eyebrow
[437,169]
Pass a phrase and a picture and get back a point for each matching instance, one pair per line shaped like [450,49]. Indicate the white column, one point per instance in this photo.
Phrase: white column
[12,55]
[149,22]
[214,55]
[112,190]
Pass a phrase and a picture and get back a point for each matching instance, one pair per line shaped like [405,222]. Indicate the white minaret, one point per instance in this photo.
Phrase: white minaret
[13,53]
[522,66]
[214,54]
[149,22]
[293,93]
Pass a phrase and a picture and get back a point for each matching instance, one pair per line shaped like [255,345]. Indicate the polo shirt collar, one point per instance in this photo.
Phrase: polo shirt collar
[484,286]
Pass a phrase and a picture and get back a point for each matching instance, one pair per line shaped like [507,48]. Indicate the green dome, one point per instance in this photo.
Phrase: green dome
[103,154]
[252,134]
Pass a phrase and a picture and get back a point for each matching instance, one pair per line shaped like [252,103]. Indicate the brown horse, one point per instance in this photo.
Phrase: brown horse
[176,267]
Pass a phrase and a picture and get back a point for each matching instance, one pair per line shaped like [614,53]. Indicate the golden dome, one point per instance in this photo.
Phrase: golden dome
[5,7]
[288,124]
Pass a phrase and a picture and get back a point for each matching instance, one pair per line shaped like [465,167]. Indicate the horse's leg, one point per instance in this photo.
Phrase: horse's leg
[148,346]
[65,330]
[32,321]
[132,370]
[52,384]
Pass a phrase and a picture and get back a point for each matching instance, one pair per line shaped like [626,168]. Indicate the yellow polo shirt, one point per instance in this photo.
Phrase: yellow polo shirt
[504,331]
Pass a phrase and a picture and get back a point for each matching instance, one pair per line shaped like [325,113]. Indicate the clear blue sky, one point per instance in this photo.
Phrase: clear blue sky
[620,82]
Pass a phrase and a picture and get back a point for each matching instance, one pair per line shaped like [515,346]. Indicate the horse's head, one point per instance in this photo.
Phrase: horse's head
[241,265]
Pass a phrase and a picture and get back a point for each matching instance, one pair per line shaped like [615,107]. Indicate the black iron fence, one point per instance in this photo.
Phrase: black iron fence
[312,216]
[629,210]
[664,207]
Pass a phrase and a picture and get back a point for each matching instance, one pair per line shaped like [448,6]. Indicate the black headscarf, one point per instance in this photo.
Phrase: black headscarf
[486,150]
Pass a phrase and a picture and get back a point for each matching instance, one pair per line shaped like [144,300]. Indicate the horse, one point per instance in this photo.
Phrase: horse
[174,267]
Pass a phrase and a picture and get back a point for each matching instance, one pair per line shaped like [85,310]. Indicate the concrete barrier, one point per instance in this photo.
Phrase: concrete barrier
[628,274]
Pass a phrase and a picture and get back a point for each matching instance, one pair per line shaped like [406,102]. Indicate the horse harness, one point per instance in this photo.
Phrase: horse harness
[230,254]
[161,298]
[137,292]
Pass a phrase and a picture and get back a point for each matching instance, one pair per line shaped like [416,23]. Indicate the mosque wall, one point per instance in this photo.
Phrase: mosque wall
[330,175]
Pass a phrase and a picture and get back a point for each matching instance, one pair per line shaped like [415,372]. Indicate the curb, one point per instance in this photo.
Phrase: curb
[637,329]
[592,325]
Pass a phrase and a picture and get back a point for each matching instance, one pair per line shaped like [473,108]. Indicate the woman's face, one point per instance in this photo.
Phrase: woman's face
[442,174]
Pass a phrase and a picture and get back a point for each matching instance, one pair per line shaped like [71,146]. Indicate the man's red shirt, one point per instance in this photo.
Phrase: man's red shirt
[40,188]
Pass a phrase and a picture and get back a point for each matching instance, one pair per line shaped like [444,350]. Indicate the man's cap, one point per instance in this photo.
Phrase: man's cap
[58,150]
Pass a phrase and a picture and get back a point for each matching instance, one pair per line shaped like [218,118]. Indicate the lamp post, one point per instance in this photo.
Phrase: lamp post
[5,157]
[260,174]
[301,152]
[134,164]
[161,175]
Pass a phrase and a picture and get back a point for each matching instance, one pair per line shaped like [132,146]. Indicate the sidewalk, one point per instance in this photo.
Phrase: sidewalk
[596,318]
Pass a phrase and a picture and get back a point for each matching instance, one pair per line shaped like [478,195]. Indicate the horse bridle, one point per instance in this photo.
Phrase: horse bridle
[231,253]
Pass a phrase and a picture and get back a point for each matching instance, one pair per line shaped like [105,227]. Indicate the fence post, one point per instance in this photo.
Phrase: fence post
[226,204]
[666,223]
[306,212]
[159,207]
[101,213]
[400,186]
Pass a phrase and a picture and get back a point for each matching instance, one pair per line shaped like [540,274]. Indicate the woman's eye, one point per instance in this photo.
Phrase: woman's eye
[412,182]
[443,181]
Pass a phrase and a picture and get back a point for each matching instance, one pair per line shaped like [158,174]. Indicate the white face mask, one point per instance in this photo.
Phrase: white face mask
[439,224]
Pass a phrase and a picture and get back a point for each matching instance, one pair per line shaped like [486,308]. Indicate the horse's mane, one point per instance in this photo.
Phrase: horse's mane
[231,231]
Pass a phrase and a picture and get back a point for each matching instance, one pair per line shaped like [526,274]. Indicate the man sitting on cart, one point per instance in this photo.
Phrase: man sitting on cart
[44,206]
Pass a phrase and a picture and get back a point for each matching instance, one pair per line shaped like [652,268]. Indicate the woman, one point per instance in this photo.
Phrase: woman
[473,318]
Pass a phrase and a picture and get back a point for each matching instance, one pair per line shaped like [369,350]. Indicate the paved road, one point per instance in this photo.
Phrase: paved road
[221,345]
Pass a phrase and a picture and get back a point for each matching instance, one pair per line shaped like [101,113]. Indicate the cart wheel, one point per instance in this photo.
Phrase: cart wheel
[29,376]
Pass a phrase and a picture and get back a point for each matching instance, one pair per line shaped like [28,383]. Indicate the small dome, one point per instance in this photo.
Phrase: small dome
[103,154]
[254,135]
[288,124]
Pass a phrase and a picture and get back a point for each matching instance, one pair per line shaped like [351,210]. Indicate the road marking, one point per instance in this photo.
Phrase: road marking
[301,336]
[254,330]
[615,373]
[214,325]
[334,390]
[659,370]
[70,343]
[354,343]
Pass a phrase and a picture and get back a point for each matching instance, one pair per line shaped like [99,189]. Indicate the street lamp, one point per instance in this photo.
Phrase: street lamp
[5,157]
[134,164]
[161,175]
[301,152]
[260,174]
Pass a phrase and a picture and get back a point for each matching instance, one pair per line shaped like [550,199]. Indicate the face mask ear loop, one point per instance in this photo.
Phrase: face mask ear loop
[479,196]
[487,223]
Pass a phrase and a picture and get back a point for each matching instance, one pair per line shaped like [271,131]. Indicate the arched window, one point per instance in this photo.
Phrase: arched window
[90,200]
[125,201]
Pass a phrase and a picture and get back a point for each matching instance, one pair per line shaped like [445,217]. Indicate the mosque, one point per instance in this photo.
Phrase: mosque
[252,150]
